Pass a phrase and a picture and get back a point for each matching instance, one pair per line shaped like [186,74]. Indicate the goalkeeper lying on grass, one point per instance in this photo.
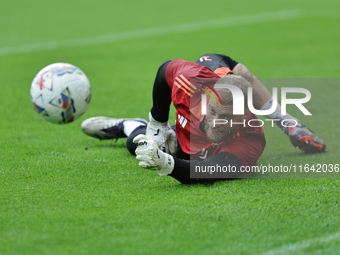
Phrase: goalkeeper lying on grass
[200,138]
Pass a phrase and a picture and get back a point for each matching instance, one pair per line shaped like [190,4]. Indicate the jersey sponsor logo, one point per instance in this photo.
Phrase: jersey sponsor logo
[182,121]
[182,83]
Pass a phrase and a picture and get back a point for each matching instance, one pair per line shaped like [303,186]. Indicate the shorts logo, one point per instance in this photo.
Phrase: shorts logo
[205,58]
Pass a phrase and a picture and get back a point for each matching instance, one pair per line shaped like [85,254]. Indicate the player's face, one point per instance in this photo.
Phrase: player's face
[215,125]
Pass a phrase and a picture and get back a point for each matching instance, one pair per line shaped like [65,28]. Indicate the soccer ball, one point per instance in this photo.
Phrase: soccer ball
[60,93]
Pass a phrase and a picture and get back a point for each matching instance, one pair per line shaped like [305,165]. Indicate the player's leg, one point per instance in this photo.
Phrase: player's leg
[261,94]
[105,128]
[301,137]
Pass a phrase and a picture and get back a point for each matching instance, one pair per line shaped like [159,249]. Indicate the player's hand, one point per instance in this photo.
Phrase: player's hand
[150,157]
[161,133]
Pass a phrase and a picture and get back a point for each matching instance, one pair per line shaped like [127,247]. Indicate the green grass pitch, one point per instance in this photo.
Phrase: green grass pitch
[64,193]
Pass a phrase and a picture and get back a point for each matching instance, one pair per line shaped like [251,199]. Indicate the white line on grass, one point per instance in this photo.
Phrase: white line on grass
[303,245]
[155,31]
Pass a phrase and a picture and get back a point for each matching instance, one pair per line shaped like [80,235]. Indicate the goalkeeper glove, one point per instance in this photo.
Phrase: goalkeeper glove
[162,134]
[150,157]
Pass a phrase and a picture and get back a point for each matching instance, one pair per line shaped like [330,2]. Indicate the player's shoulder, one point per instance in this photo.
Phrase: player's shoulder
[182,62]
[187,67]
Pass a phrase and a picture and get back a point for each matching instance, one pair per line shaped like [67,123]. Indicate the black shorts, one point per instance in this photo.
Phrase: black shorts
[214,61]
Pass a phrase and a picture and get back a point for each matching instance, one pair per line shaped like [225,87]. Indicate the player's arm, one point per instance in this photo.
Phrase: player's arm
[161,95]
[301,137]
[261,94]
[158,128]
[181,171]
[150,157]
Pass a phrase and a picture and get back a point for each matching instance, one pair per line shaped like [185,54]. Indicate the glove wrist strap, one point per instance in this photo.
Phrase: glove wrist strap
[168,166]
[155,122]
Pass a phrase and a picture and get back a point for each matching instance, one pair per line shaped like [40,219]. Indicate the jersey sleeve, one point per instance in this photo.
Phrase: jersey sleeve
[181,170]
[161,95]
